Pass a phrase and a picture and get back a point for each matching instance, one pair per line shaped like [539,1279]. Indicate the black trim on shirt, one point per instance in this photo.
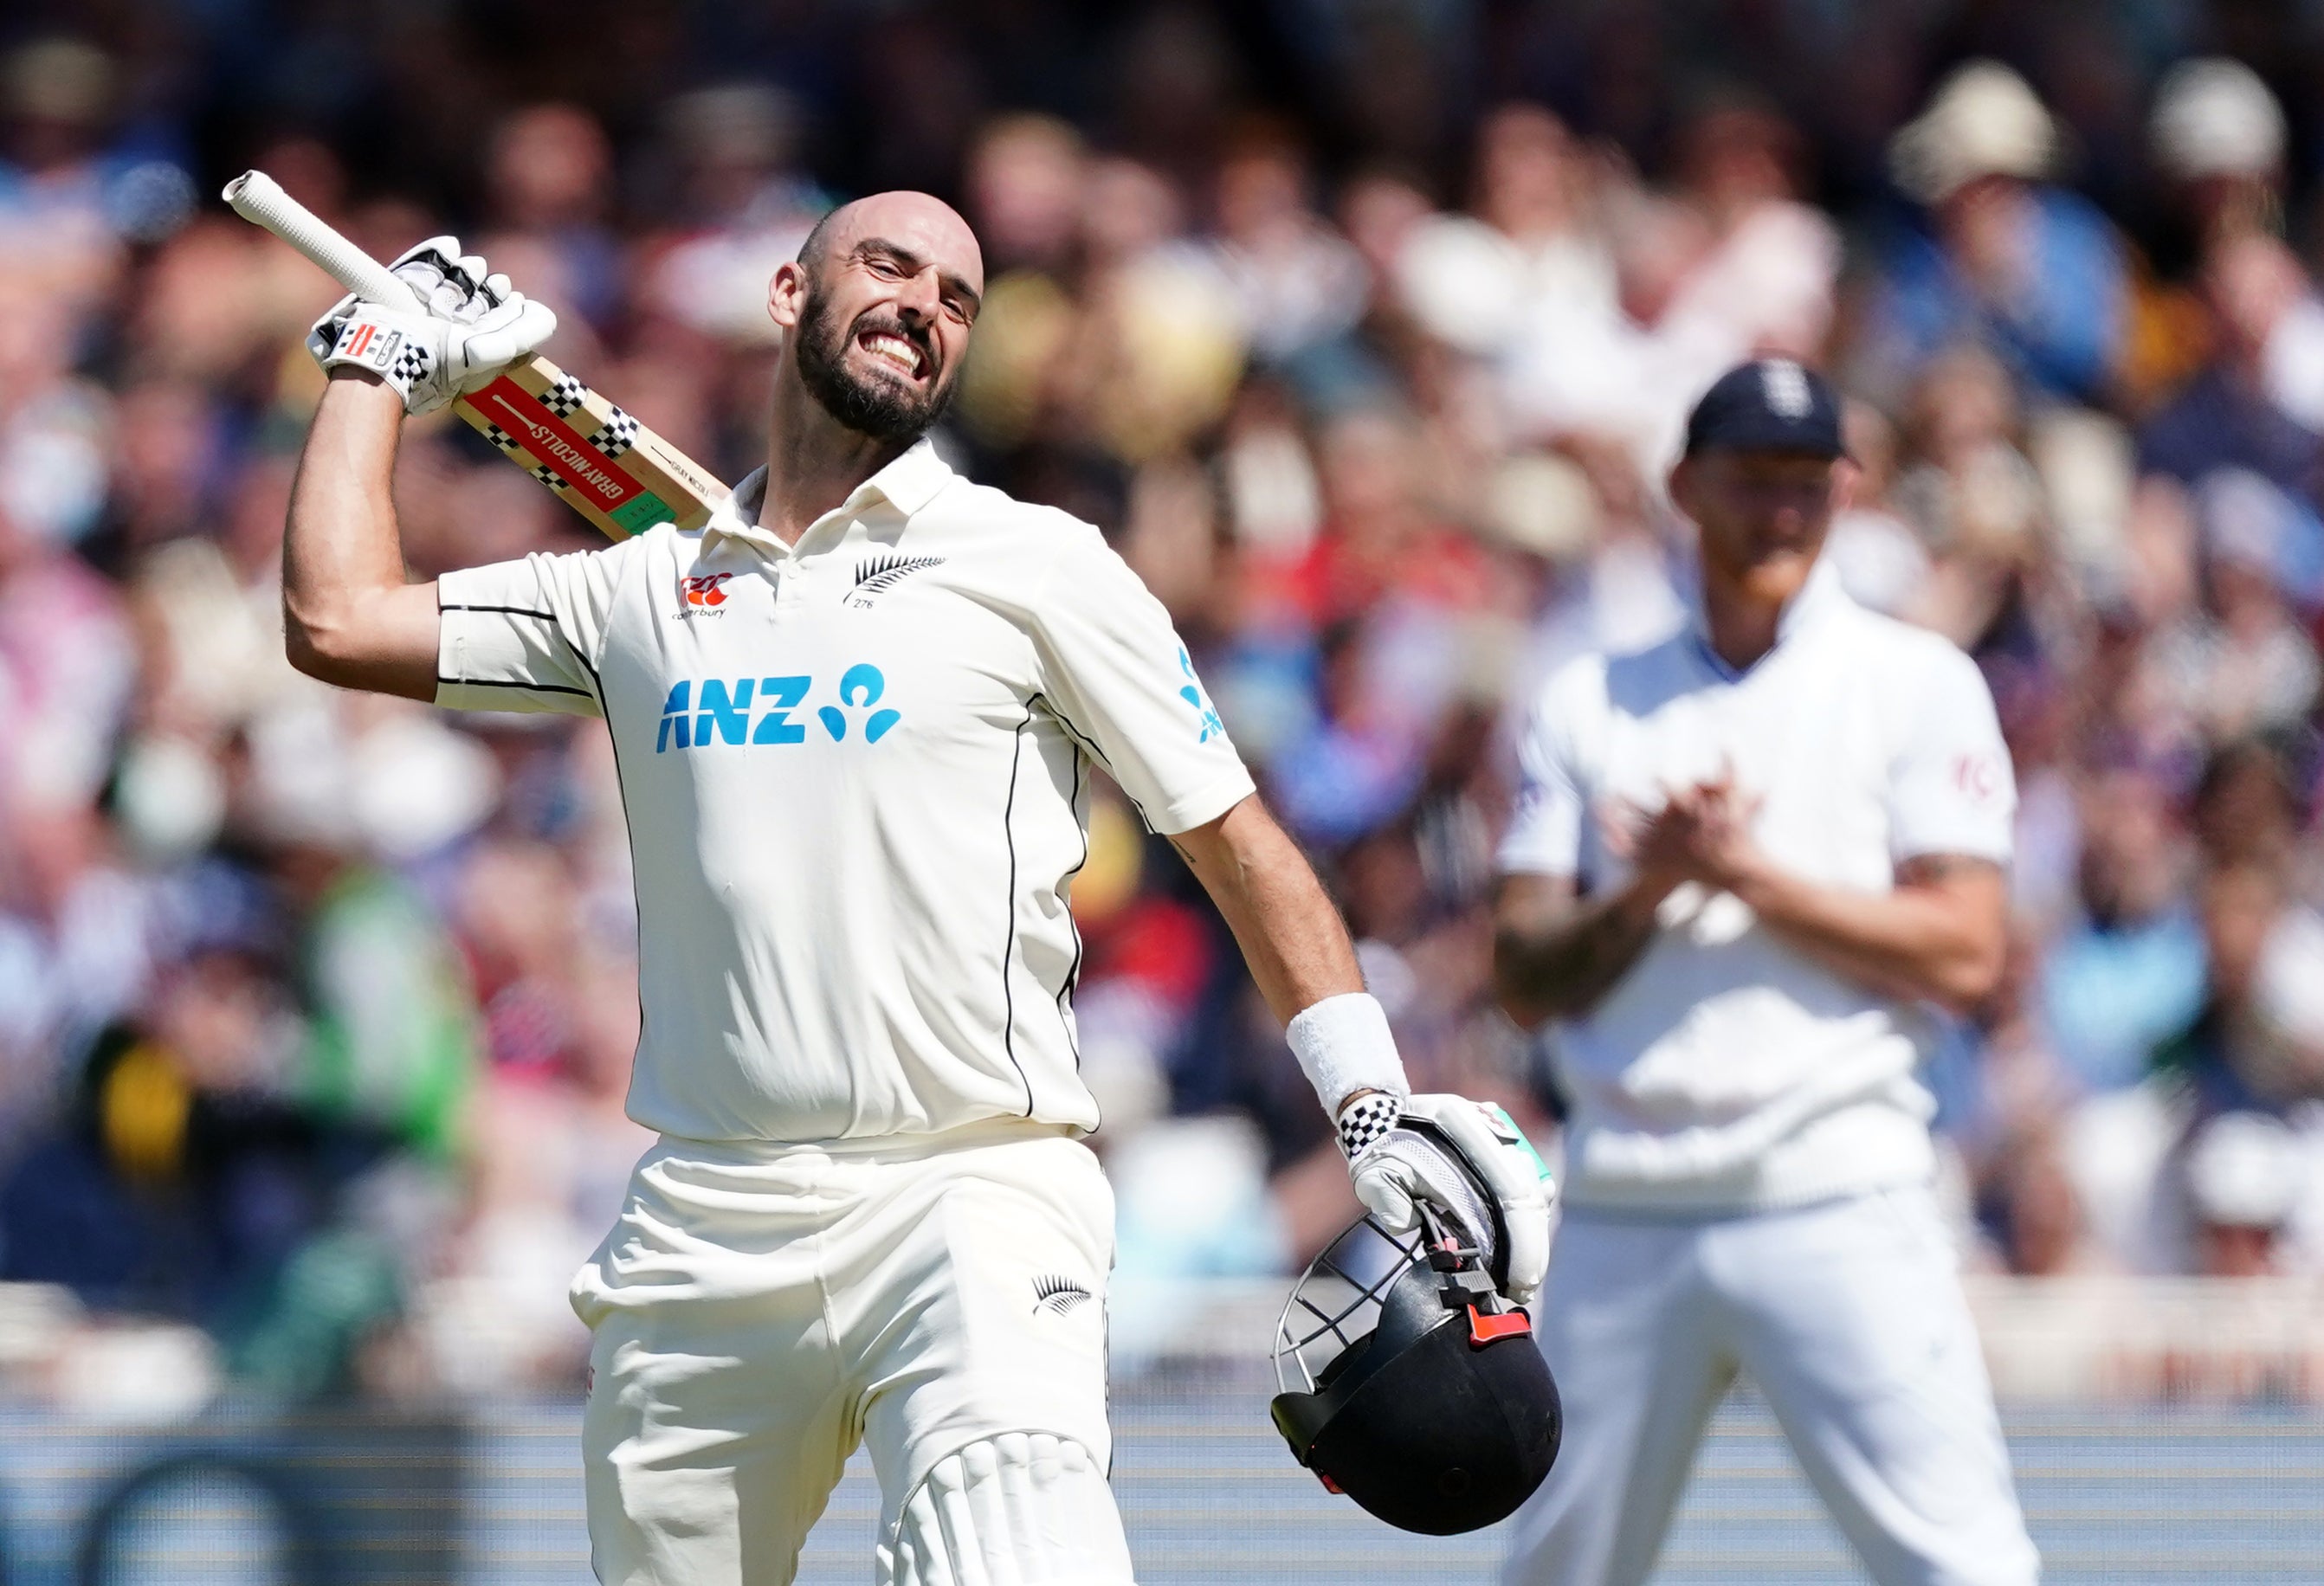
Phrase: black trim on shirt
[528,687]
[550,618]
[514,611]
[1082,741]
[1074,969]
[603,705]
[1009,950]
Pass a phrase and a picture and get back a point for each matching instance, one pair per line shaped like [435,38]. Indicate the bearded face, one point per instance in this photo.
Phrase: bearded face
[878,375]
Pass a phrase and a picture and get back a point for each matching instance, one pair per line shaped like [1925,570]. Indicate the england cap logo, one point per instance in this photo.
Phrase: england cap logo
[1786,385]
[1769,404]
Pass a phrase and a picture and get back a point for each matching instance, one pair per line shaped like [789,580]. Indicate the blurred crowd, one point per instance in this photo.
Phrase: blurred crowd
[1366,334]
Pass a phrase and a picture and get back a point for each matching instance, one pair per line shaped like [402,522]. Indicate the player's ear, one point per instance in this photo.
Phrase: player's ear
[1845,477]
[1681,485]
[787,295]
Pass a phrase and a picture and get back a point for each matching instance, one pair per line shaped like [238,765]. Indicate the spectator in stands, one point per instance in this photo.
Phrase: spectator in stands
[2257,404]
[1526,276]
[550,172]
[1296,281]
[2243,1183]
[2218,137]
[2007,261]
[2130,970]
[1757,277]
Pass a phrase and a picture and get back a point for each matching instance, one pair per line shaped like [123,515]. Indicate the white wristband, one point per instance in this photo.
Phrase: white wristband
[1344,1046]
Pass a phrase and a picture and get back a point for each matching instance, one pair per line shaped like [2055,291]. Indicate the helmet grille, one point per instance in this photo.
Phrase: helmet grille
[1336,1303]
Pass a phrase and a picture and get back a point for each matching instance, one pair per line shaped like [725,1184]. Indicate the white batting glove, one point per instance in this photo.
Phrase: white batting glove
[1393,1166]
[475,324]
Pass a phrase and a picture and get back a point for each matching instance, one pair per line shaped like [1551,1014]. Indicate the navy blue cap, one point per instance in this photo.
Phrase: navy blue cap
[1769,404]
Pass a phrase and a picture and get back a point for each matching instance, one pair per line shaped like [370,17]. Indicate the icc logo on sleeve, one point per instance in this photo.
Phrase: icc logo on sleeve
[710,711]
[1977,777]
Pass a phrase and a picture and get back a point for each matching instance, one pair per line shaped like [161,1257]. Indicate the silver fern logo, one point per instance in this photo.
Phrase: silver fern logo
[1057,1294]
[875,576]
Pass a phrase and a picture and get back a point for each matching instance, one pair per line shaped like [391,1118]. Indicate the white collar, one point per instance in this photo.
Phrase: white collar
[1819,598]
[908,484]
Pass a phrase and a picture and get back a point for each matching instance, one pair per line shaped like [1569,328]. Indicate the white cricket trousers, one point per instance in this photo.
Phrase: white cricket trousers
[1849,1317]
[759,1310]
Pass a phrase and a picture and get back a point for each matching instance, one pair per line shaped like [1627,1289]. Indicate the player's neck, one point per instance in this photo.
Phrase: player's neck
[813,463]
[1741,625]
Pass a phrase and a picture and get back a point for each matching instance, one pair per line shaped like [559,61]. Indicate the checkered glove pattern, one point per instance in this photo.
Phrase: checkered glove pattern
[1366,1120]
[466,327]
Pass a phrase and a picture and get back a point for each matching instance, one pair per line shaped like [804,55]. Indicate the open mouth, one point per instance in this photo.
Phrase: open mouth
[896,352]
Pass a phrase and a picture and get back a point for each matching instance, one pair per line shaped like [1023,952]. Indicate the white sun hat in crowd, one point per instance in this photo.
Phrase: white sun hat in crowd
[2289,988]
[2243,1170]
[2285,1058]
[1986,119]
[2216,117]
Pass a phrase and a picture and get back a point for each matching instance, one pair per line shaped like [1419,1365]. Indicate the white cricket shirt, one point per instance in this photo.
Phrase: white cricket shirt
[1727,1071]
[856,773]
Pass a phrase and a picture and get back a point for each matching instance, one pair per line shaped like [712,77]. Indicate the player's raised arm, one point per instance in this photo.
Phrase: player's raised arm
[349,616]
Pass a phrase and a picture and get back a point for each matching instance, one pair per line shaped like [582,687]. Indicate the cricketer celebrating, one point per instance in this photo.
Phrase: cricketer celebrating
[854,717]
[1742,860]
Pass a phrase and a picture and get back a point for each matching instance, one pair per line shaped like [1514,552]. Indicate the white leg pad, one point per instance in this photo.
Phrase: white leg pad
[1020,1509]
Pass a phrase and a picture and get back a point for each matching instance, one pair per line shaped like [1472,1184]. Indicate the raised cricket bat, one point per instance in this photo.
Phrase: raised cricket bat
[607,465]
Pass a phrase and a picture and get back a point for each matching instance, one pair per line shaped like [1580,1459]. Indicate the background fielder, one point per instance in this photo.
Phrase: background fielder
[1742,859]
[855,718]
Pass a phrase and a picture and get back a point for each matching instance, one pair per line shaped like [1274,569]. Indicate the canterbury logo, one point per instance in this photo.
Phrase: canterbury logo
[878,574]
[1057,1294]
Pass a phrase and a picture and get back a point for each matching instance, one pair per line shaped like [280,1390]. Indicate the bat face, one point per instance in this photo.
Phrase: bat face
[608,467]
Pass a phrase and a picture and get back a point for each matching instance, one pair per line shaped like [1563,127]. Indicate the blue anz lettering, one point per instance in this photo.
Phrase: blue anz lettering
[673,710]
[784,695]
[700,713]
[733,716]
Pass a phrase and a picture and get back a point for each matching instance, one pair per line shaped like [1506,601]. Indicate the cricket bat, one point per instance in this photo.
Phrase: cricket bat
[607,465]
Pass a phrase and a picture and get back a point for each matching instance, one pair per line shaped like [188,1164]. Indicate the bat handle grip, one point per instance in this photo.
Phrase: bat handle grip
[259,199]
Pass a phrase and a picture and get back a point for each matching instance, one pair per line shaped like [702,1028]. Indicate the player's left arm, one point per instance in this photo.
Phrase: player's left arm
[1300,953]
[1114,673]
[1290,934]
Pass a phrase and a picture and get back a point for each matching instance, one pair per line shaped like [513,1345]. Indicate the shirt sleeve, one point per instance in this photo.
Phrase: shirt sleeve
[1544,835]
[524,635]
[1950,790]
[1115,673]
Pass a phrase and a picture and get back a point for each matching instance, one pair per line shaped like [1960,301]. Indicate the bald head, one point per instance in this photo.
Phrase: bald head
[922,223]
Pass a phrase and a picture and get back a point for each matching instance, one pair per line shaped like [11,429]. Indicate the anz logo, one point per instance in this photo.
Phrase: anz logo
[759,710]
[1205,717]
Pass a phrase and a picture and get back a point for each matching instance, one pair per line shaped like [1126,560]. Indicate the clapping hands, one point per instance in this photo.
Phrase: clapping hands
[1701,834]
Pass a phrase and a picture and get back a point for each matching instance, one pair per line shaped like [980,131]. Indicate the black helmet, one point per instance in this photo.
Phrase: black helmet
[1432,1406]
